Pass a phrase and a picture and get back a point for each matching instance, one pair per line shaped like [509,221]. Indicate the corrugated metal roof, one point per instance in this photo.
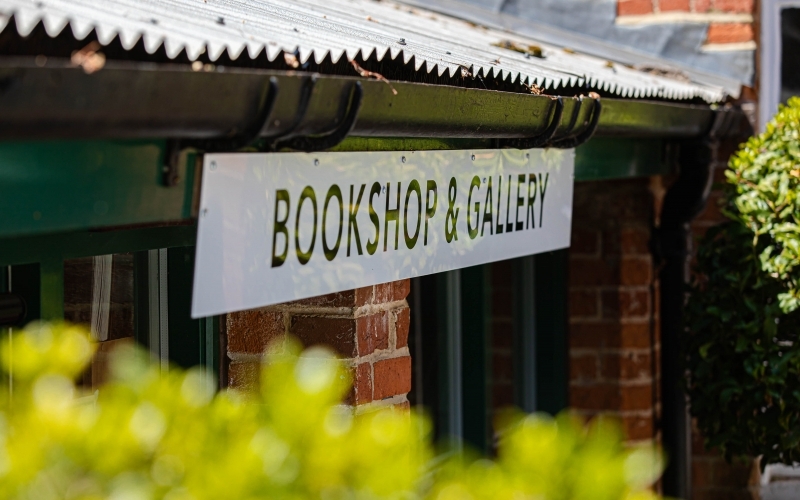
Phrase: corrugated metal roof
[341,28]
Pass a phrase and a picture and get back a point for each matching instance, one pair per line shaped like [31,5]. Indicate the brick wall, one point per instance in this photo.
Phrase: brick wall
[613,316]
[367,328]
[729,21]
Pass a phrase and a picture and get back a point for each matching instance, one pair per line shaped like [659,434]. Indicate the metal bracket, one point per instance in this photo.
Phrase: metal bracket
[541,139]
[273,143]
[346,121]
[576,111]
[574,142]
[239,140]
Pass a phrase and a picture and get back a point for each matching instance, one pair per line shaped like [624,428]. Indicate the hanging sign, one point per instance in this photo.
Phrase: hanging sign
[284,226]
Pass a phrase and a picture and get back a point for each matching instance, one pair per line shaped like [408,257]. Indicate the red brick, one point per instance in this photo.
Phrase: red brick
[583,368]
[626,366]
[362,383]
[701,473]
[373,332]
[584,242]
[401,289]
[338,299]
[383,293]
[401,326]
[634,7]
[636,271]
[252,331]
[586,272]
[625,304]
[244,377]
[702,5]
[502,303]
[593,272]
[502,396]
[337,333]
[711,212]
[502,274]
[364,295]
[583,303]
[502,367]
[502,334]
[391,377]
[740,6]
[729,33]
[673,5]
[609,335]
[637,427]
[731,475]
[634,240]
[611,397]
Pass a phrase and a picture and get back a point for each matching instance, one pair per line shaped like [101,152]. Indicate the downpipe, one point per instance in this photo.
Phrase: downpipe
[684,201]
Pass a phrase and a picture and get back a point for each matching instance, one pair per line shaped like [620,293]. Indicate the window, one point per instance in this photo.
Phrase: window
[488,337]
[137,297]
[780,54]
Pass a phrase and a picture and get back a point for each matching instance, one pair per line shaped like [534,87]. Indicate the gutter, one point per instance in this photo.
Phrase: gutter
[129,100]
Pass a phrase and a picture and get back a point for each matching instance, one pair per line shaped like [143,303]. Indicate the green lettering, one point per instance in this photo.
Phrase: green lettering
[304,257]
[373,245]
[352,223]
[279,226]
[430,210]
[330,252]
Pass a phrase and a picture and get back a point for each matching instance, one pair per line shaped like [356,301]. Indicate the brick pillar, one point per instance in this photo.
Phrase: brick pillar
[367,328]
[613,331]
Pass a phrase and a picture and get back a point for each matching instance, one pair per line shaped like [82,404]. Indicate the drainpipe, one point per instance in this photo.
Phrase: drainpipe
[683,202]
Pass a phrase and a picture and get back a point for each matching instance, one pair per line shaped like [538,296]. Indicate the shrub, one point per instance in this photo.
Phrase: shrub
[168,435]
[742,315]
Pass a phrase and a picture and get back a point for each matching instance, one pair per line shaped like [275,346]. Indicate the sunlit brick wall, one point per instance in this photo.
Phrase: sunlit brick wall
[613,315]
[729,21]
[367,328]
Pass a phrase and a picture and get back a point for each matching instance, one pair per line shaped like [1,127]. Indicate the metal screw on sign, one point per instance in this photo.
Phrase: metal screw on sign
[473,157]
[316,162]
[403,159]
[213,165]
[527,155]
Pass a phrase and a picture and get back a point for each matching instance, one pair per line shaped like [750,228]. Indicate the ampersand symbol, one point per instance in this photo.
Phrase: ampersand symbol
[452,216]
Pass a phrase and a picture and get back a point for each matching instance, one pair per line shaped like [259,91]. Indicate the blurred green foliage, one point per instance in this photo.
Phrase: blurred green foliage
[155,435]
[742,315]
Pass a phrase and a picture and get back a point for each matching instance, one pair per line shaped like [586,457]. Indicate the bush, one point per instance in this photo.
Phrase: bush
[152,435]
[742,315]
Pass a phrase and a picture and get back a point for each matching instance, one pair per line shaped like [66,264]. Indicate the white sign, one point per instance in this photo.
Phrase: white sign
[285,226]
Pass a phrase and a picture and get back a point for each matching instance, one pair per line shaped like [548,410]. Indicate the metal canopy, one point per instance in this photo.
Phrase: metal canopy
[334,29]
